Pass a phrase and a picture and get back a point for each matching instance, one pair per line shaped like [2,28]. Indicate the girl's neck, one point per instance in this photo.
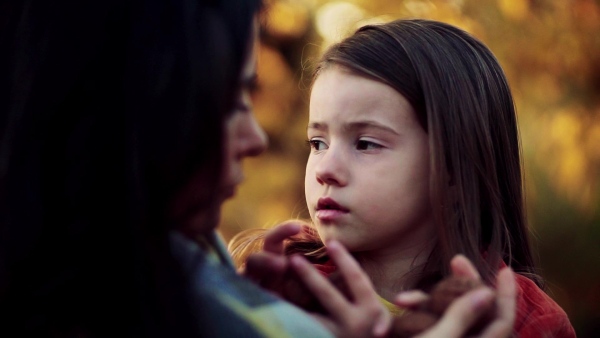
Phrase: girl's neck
[389,272]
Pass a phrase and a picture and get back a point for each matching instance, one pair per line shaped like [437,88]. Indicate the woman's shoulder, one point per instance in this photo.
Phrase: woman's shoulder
[538,315]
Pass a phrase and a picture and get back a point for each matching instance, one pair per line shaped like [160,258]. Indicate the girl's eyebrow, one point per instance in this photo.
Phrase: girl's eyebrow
[355,126]
[317,126]
[370,124]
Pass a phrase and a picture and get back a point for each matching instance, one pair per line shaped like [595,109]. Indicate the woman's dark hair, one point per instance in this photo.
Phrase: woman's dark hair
[107,110]
[462,99]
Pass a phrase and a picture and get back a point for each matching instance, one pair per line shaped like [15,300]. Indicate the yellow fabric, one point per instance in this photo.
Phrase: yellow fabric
[394,310]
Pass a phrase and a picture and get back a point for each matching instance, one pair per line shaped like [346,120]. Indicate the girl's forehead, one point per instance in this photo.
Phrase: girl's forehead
[340,95]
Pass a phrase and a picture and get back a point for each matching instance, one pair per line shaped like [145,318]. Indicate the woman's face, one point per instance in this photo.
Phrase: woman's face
[243,137]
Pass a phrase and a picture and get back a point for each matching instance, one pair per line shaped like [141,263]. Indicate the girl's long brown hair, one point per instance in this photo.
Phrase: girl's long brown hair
[463,101]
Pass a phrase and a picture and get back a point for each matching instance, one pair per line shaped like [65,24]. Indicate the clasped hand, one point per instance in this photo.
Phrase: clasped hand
[362,314]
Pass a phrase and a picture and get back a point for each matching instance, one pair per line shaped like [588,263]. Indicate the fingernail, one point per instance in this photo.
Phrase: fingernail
[381,327]
[296,260]
[481,298]
[408,297]
[333,244]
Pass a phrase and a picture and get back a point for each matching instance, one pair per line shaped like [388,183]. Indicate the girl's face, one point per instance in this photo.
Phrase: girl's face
[367,176]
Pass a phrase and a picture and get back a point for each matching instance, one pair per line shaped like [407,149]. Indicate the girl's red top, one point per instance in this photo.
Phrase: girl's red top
[537,314]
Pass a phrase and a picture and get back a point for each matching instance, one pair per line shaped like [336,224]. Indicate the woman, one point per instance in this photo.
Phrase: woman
[109,110]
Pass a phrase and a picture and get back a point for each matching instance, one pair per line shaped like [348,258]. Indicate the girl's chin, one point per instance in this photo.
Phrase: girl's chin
[344,241]
[328,236]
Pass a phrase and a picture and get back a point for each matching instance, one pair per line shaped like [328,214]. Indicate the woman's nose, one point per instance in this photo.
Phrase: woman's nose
[330,169]
[253,138]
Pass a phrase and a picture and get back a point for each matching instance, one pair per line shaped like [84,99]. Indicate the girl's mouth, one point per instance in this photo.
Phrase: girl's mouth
[328,210]
[327,203]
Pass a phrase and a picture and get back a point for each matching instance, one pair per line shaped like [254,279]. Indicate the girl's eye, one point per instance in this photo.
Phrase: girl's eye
[317,144]
[367,145]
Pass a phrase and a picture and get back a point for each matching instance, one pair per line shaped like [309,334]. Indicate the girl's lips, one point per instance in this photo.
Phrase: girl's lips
[328,203]
[329,215]
[329,210]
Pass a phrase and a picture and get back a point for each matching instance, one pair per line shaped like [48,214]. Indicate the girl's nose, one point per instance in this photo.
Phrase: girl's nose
[330,169]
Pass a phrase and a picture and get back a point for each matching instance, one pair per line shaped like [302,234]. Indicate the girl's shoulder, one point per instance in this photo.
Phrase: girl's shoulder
[538,315]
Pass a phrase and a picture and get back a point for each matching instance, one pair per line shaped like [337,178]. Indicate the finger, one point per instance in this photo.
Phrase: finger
[330,298]
[263,265]
[382,324]
[506,291]
[462,314]
[411,299]
[360,287]
[462,267]
[275,237]
[358,283]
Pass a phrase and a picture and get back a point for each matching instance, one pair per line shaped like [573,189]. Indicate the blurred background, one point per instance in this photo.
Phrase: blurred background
[550,50]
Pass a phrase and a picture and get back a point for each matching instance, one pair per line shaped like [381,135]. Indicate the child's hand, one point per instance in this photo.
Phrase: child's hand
[466,311]
[361,314]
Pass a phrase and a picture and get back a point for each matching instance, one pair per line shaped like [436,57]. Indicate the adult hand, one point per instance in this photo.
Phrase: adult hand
[466,310]
[360,315]
[363,316]
[269,268]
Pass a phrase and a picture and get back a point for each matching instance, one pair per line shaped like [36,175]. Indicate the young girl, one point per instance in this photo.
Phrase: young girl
[415,158]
